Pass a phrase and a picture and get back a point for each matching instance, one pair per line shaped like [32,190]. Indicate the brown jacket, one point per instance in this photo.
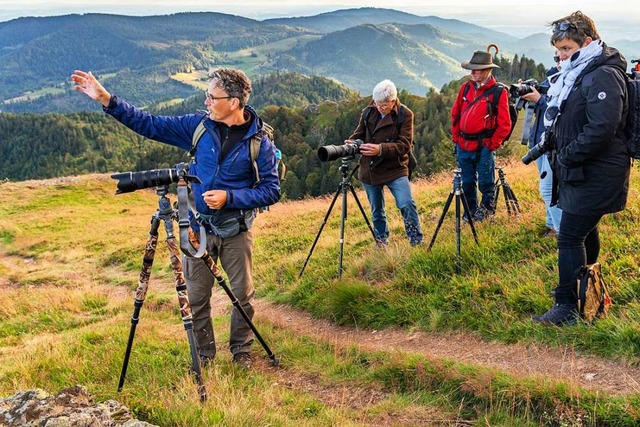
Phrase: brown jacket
[393,161]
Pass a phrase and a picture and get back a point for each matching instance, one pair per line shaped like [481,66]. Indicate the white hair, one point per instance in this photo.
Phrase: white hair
[385,91]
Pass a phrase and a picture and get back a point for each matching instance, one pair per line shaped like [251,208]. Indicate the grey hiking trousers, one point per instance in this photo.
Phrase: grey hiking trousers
[234,255]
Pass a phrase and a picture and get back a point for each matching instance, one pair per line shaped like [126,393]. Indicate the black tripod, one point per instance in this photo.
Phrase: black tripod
[510,199]
[342,189]
[166,214]
[459,194]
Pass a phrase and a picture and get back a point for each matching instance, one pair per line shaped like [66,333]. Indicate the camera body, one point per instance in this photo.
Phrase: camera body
[334,152]
[527,86]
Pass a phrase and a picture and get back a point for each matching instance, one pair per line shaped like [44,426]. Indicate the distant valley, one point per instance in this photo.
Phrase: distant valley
[157,58]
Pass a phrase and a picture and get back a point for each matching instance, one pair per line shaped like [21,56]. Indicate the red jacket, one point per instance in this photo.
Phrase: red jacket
[471,118]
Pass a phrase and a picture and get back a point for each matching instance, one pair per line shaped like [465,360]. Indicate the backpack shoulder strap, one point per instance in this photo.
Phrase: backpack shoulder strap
[200,130]
[465,91]
[254,151]
[496,91]
[254,147]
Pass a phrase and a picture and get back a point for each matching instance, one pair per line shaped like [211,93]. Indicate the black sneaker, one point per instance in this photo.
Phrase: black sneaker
[482,213]
[206,360]
[549,232]
[558,315]
[244,360]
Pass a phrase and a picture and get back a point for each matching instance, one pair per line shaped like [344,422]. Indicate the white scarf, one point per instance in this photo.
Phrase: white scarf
[562,82]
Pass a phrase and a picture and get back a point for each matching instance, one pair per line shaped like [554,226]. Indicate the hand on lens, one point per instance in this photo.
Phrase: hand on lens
[370,149]
[532,96]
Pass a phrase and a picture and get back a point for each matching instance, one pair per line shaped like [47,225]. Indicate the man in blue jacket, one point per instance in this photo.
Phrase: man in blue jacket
[229,193]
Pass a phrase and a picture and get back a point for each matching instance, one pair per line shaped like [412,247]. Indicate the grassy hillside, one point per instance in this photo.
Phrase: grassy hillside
[70,253]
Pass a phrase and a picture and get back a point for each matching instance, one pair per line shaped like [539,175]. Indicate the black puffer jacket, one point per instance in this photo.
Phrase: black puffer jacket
[591,163]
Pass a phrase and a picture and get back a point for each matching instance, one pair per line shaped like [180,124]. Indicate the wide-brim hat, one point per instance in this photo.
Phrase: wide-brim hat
[479,61]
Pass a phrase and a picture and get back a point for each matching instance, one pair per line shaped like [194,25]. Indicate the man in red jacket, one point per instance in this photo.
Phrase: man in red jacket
[478,131]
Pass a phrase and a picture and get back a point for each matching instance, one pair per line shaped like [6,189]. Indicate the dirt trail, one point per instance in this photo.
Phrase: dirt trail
[589,372]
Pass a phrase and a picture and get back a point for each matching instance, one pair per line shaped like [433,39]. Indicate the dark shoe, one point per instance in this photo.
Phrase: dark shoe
[549,232]
[205,361]
[244,360]
[558,315]
[382,243]
[482,213]
[416,242]
[466,217]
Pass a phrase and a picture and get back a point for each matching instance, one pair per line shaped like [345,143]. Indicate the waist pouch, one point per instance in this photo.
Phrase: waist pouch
[228,223]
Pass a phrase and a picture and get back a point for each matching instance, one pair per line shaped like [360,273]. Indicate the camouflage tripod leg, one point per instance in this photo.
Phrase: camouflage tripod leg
[141,291]
[185,308]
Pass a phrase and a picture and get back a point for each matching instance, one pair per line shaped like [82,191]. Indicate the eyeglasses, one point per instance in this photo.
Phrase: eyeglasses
[384,104]
[564,26]
[212,98]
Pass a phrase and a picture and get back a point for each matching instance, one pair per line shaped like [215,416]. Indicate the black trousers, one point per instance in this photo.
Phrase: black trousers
[578,245]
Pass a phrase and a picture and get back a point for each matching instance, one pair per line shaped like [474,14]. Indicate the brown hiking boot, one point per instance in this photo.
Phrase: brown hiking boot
[244,360]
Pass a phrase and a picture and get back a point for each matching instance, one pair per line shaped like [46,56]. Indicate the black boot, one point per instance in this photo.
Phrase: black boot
[558,315]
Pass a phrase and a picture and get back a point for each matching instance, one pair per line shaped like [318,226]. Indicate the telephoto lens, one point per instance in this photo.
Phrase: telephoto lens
[334,152]
[536,151]
[132,181]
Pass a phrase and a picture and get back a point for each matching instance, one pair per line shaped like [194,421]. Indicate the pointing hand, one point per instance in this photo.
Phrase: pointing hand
[90,86]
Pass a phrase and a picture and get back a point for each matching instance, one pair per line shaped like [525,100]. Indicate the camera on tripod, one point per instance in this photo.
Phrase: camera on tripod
[334,152]
[546,144]
[132,181]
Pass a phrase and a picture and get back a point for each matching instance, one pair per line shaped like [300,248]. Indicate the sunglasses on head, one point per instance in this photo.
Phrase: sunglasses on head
[564,26]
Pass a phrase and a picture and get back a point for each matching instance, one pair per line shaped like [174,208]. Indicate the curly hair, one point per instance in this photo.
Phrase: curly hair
[234,82]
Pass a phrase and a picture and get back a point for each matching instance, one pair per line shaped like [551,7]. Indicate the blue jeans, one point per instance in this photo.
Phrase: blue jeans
[401,191]
[477,166]
[578,245]
[554,213]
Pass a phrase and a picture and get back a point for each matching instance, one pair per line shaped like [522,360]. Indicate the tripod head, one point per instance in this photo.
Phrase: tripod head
[165,210]
[457,179]
[344,168]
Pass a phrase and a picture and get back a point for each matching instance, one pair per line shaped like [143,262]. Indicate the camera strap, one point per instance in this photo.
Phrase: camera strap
[184,205]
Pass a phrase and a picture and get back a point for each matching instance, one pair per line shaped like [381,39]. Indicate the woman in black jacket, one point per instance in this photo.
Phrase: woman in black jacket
[591,164]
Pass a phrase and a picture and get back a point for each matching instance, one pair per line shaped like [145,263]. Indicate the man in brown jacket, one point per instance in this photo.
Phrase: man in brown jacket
[386,127]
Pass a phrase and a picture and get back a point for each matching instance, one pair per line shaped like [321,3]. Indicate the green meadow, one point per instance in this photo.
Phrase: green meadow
[70,255]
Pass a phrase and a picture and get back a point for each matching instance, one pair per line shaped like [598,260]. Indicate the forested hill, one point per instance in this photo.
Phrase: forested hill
[285,89]
[165,58]
[36,146]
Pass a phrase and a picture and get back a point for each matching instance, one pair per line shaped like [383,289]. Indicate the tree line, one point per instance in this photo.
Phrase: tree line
[36,146]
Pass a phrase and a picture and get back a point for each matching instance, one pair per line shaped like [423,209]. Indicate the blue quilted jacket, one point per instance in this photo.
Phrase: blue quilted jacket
[234,174]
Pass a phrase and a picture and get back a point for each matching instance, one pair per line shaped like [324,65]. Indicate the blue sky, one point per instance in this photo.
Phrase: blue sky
[522,18]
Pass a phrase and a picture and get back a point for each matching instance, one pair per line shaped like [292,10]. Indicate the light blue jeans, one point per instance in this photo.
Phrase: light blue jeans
[554,213]
[401,191]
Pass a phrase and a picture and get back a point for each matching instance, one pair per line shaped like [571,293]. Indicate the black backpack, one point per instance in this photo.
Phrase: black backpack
[632,128]
[413,161]
[492,96]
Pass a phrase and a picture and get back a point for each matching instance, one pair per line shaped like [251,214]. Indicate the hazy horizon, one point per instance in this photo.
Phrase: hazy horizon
[614,19]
